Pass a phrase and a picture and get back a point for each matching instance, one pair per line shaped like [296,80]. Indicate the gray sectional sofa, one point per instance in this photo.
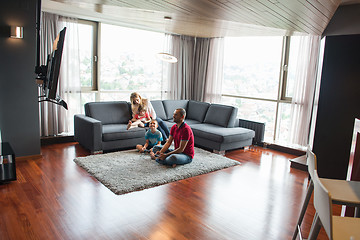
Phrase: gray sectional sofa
[215,126]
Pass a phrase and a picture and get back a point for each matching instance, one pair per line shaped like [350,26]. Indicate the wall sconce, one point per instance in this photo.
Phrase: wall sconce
[16,32]
[13,32]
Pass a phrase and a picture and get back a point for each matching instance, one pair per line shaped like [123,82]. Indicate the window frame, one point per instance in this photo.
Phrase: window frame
[94,57]
[284,70]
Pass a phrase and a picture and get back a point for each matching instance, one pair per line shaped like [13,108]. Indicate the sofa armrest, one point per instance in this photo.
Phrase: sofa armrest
[258,127]
[88,132]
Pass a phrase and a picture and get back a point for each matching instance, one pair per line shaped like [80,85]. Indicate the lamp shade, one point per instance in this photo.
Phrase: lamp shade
[167,57]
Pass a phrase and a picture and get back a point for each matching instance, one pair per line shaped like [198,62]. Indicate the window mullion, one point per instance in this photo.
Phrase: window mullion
[95,56]
[284,69]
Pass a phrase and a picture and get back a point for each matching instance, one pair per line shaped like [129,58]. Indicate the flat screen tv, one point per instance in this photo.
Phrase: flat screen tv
[49,74]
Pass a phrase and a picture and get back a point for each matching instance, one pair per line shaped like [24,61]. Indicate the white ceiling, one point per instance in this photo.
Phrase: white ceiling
[207,18]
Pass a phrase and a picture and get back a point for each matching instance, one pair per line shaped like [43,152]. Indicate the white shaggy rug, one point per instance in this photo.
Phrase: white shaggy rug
[128,171]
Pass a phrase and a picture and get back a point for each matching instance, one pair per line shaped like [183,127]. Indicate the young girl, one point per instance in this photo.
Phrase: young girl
[141,119]
[153,137]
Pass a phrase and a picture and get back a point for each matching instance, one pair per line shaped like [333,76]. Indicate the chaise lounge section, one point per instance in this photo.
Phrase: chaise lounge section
[215,126]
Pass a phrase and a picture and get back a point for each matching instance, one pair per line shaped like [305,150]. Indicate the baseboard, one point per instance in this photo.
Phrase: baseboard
[30,157]
[57,139]
[299,163]
[284,149]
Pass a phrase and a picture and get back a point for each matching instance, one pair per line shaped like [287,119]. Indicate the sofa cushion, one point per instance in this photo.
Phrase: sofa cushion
[112,132]
[171,105]
[109,112]
[221,134]
[221,115]
[191,122]
[169,123]
[159,108]
[197,110]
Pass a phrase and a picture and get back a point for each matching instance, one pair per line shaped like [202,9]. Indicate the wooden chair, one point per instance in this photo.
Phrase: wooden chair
[342,192]
[336,227]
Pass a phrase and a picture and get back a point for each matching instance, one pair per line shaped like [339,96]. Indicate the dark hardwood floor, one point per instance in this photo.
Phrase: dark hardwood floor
[53,198]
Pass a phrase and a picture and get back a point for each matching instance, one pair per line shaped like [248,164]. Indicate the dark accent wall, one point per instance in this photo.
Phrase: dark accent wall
[345,21]
[339,105]
[19,111]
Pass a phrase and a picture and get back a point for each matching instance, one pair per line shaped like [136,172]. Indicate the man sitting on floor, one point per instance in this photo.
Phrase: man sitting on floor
[183,138]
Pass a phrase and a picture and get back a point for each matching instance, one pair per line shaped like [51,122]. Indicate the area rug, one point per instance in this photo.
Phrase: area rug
[128,171]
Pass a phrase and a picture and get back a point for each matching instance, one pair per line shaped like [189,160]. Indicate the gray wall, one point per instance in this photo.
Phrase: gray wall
[345,21]
[339,105]
[339,98]
[19,111]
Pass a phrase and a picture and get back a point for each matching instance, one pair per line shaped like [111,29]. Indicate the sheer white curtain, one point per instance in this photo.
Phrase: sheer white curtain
[54,119]
[48,112]
[304,88]
[69,79]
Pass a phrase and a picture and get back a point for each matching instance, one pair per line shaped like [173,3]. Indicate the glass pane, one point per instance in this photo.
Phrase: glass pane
[125,96]
[255,110]
[114,96]
[293,61]
[86,54]
[87,97]
[128,59]
[252,66]
[284,121]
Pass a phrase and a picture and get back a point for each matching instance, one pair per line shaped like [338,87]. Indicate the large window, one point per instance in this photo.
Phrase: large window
[251,66]
[124,60]
[129,62]
[259,79]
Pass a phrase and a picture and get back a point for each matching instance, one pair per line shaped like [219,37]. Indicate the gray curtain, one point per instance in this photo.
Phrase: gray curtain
[198,73]
[215,71]
[200,68]
[181,73]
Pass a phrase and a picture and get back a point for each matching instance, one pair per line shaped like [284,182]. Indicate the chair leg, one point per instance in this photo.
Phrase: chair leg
[299,233]
[303,209]
[315,228]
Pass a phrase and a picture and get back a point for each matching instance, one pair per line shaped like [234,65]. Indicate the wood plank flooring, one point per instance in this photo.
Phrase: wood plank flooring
[53,198]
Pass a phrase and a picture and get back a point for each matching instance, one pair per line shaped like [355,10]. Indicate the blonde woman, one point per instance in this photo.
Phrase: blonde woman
[136,100]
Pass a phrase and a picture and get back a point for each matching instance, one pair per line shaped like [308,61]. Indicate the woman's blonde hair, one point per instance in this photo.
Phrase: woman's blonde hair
[133,96]
[143,101]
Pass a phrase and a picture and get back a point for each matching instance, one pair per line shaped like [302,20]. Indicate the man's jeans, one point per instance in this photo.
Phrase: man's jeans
[178,158]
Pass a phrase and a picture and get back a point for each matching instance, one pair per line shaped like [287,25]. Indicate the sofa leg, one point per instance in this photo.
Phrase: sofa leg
[219,152]
[96,152]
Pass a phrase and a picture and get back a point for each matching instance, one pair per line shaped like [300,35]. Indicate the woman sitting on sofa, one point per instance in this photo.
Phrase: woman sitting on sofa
[136,100]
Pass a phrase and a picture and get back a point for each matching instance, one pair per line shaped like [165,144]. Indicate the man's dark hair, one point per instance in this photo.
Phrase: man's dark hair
[182,111]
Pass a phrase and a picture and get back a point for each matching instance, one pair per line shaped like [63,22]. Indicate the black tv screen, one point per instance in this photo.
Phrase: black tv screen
[53,66]
[49,74]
